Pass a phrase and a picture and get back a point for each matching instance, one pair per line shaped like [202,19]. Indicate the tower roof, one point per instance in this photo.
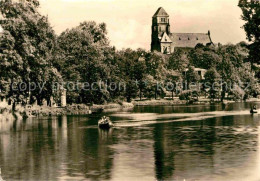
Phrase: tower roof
[160,12]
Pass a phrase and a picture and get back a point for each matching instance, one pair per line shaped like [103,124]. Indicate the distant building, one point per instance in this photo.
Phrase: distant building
[166,42]
[201,72]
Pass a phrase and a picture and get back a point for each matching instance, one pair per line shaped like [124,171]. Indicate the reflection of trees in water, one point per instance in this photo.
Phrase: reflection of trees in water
[163,155]
[64,147]
[40,149]
[173,143]
[189,150]
[28,151]
[89,152]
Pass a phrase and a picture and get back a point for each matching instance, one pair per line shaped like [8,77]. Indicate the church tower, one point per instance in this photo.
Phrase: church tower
[160,29]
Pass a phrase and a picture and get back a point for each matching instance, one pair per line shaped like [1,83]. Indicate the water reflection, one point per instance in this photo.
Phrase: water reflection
[220,147]
[206,152]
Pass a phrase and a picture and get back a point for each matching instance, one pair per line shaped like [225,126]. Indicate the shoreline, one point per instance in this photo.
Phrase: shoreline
[31,111]
[201,101]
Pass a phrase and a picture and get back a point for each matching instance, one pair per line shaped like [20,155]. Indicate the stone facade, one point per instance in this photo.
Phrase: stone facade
[166,42]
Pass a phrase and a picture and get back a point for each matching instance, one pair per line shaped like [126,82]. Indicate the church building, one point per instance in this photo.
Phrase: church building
[164,41]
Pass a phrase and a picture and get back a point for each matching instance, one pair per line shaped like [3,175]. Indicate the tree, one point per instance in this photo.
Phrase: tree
[247,81]
[127,60]
[29,43]
[10,64]
[139,73]
[204,57]
[178,61]
[191,76]
[86,57]
[232,58]
[212,82]
[250,14]
[173,79]
[156,66]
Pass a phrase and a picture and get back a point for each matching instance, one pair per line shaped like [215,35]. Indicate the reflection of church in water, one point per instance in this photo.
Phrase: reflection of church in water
[163,40]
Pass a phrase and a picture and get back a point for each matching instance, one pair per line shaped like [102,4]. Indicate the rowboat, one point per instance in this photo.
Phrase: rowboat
[105,123]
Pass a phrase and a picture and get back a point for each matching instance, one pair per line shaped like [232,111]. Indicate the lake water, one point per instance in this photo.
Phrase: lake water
[200,142]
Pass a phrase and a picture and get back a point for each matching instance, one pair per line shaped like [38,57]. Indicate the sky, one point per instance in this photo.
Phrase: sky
[129,21]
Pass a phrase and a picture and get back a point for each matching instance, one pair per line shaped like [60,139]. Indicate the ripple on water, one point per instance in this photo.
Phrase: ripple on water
[137,119]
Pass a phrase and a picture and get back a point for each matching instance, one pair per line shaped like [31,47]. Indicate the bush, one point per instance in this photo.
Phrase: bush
[189,95]
[238,94]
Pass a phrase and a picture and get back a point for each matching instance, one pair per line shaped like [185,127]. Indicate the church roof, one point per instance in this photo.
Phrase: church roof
[160,12]
[190,40]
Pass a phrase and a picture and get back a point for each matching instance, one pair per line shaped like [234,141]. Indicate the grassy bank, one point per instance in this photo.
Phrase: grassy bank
[161,102]
[20,112]
[74,109]
[113,106]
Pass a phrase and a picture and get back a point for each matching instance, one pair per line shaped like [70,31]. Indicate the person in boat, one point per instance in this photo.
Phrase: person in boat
[105,119]
[253,109]
[102,120]
[105,122]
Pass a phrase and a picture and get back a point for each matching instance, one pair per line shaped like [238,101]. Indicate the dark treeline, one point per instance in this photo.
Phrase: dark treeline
[32,52]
